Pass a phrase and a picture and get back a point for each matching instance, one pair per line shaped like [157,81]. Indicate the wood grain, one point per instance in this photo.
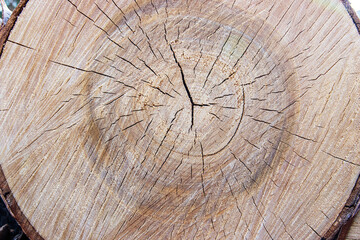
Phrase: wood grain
[181,119]
[354,231]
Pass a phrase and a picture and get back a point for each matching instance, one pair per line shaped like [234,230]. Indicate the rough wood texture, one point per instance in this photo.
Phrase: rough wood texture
[180,119]
[354,231]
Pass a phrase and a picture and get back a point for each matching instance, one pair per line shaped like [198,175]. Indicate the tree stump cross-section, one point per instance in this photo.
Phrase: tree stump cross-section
[154,119]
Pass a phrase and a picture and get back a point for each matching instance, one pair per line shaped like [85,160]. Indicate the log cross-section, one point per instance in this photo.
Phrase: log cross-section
[164,119]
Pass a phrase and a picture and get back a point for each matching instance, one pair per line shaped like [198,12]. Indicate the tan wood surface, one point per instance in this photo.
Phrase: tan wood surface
[354,231]
[152,119]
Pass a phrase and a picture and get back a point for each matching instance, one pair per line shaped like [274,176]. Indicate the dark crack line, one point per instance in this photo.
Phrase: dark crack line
[215,116]
[116,69]
[77,9]
[163,92]
[147,128]
[166,158]
[178,111]
[225,95]
[118,119]
[133,125]
[224,80]
[185,85]
[241,162]
[113,100]
[148,67]
[80,69]
[202,158]
[108,17]
[299,136]
[125,60]
[314,230]
[115,43]
[342,159]
[266,74]
[126,85]
[134,44]
[202,184]
[120,10]
[193,104]
[237,127]
[154,7]
[21,45]
[166,134]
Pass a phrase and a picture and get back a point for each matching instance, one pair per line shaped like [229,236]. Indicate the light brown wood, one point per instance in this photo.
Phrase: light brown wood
[354,232]
[180,119]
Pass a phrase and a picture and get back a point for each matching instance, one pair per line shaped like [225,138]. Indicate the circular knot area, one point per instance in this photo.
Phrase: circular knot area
[192,97]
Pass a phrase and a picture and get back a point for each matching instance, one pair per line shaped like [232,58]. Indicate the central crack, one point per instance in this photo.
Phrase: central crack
[193,104]
[186,88]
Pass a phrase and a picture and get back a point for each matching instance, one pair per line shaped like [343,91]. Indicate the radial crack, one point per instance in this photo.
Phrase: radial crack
[185,85]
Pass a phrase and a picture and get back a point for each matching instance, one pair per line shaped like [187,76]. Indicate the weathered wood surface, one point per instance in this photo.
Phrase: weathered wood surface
[180,119]
[354,231]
